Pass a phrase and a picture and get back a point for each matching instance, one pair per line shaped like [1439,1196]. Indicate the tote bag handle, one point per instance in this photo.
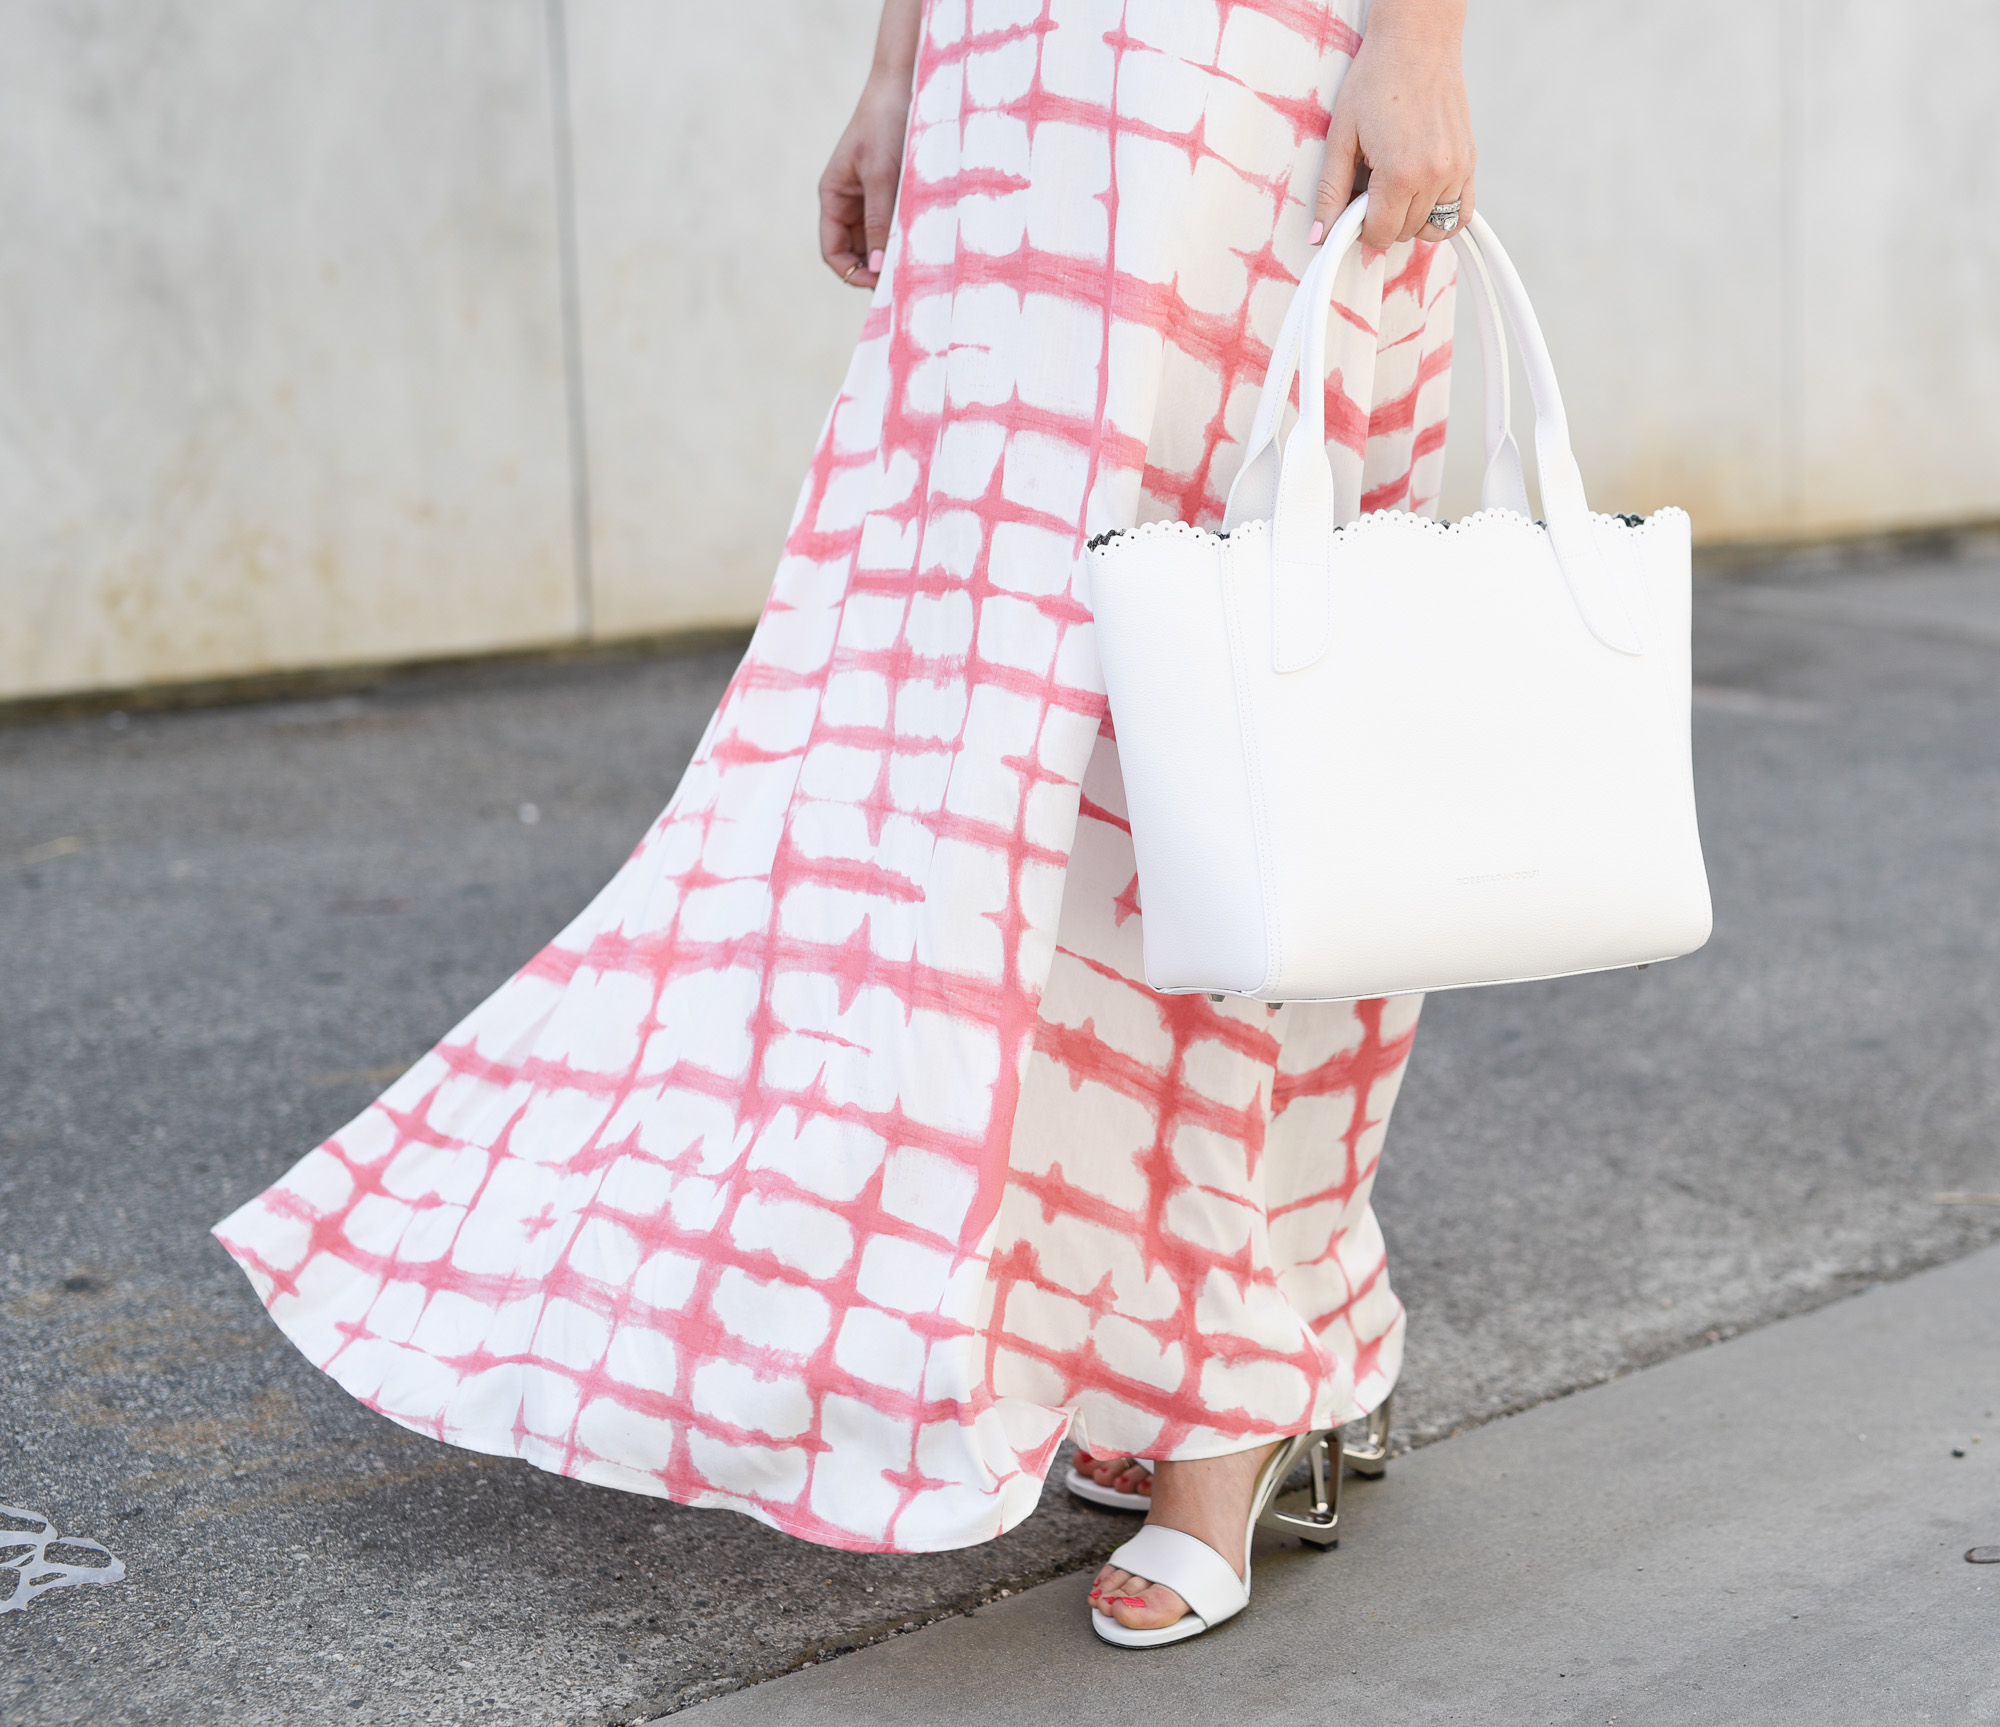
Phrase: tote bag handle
[1303,511]
[1502,487]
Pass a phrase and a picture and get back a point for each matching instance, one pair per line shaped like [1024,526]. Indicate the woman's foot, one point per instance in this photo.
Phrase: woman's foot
[1208,1498]
[1121,1474]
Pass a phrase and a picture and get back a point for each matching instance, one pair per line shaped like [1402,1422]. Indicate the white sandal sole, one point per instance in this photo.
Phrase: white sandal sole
[1123,1637]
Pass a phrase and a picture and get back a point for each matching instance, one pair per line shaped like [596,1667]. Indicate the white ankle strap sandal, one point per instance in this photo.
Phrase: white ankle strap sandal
[1202,1577]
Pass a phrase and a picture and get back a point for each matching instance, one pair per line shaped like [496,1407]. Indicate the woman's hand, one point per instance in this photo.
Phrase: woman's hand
[1401,127]
[857,193]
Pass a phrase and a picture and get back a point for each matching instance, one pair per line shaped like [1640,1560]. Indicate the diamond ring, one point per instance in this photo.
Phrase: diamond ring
[1444,217]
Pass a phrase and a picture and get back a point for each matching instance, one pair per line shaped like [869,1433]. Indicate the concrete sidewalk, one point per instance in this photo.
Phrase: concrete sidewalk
[1769,1530]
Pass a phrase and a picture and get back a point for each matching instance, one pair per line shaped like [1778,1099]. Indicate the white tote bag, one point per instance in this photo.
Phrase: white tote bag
[1377,755]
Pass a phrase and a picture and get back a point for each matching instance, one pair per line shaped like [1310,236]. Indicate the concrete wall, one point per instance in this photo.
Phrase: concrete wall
[399,328]
[1745,225]
[281,359]
[714,339]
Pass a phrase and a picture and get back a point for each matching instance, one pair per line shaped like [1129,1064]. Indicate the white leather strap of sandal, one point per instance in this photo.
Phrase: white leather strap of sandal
[1191,1568]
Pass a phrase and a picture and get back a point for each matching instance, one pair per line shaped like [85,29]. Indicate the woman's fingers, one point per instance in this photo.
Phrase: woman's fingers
[1392,209]
[856,202]
[1460,195]
[878,187]
[839,245]
[1463,196]
[857,193]
[1343,175]
[1400,208]
[1401,200]
[842,208]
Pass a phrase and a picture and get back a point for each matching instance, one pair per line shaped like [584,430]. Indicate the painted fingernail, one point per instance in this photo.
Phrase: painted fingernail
[1318,234]
[876,259]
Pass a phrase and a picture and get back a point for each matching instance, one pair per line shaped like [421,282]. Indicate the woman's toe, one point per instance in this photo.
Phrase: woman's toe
[1137,1603]
[1109,1581]
[1142,1606]
[1121,1474]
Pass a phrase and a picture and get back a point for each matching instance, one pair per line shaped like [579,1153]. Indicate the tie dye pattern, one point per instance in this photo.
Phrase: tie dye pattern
[834,1159]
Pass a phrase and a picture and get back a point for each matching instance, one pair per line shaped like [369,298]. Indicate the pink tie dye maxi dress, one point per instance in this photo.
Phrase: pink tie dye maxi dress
[835,1161]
